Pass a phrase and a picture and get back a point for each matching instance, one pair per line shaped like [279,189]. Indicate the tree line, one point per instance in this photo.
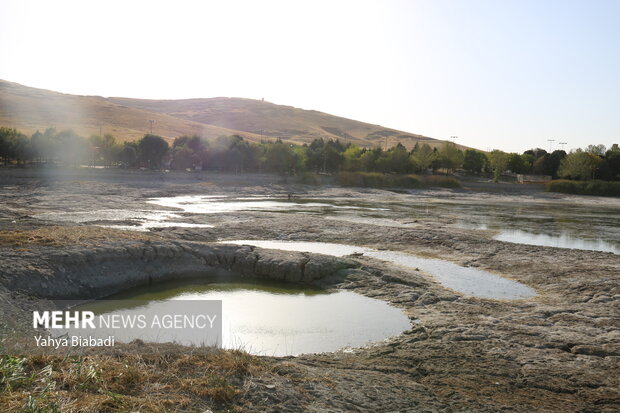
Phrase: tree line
[234,154]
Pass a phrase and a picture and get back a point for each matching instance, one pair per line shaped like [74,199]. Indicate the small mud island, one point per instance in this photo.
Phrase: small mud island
[91,233]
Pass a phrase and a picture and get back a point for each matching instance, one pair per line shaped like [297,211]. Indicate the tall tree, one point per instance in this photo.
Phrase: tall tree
[423,157]
[498,161]
[474,161]
[579,165]
[151,150]
[450,156]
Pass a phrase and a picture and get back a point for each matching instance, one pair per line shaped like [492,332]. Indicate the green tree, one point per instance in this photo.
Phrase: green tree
[183,157]
[423,157]
[152,149]
[128,156]
[280,158]
[110,150]
[368,159]
[400,162]
[301,157]
[69,148]
[579,165]
[474,161]
[552,163]
[517,163]
[612,162]
[352,161]
[598,150]
[450,156]
[333,156]
[498,161]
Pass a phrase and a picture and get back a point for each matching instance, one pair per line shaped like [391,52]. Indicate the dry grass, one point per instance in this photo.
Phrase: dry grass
[67,235]
[153,383]
[28,109]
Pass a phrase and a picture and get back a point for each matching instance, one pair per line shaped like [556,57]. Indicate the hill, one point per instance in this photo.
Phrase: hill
[272,121]
[30,109]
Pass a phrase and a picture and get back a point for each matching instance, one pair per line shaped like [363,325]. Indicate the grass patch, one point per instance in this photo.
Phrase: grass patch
[593,187]
[378,180]
[309,178]
[441,181]
[130,382]
[69,235]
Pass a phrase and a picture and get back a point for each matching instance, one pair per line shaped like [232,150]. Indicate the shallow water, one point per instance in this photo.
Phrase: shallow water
[559,224]
[199,204]
[465,280]
[537,223]
[269,318]
[107,215]
[141,220]
[563,240]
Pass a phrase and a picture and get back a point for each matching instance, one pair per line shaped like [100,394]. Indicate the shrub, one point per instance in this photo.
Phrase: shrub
[593,187]
[441,181]
[378,180]
[309,178]
[407,181]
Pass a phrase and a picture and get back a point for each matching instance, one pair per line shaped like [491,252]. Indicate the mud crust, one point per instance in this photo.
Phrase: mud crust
[559,351]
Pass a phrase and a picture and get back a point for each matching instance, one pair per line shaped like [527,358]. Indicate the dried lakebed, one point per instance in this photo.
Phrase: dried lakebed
[544,224]
[557,351]
[596,229]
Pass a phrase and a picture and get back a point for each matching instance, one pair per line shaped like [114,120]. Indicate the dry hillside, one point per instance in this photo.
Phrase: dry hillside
[30,109]
[271,120]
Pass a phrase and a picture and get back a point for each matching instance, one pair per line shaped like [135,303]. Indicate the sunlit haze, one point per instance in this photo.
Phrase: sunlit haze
[497,74]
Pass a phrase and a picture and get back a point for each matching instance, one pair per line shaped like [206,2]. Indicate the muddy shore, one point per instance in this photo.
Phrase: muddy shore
[558,351]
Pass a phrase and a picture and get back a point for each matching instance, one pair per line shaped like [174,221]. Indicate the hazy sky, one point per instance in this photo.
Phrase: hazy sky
[496,73]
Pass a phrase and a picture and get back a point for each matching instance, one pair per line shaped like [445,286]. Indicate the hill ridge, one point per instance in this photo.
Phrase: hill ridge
[29,109]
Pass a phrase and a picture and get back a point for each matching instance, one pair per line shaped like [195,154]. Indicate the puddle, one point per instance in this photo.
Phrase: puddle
[141,220]
[465,280]
[268,318]
[546,224]
[384,222]
[595,228]
[559,241]
[566,225]
[200,204]
[147,226]
[107,215]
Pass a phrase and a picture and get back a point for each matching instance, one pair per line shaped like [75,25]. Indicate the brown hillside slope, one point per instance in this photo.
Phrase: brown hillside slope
[28,109]
[271,120]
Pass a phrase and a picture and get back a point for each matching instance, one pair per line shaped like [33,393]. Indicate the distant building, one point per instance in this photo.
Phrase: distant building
[533,179]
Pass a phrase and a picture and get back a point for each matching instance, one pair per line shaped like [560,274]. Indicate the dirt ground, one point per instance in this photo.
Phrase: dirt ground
[558,351]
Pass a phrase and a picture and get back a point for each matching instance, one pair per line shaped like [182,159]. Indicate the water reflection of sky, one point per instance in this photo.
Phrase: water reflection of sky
[557,224]
[266,318]
[465,280]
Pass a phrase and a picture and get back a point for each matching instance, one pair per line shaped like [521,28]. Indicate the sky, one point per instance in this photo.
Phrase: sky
[498,74]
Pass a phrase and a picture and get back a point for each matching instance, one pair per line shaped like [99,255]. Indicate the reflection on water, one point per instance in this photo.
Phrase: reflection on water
[199,204]
[548,224]
[466,280]
[140,220]
[567,225]
[560,241]
[146,226]
[538,223]
[107,215]
[276,319]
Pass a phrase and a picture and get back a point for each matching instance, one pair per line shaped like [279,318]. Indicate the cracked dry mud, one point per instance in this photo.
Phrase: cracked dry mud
[558,351]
